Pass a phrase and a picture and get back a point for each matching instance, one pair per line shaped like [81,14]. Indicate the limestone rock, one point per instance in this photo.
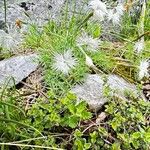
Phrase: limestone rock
[17,68]
[120,86]
[92,89]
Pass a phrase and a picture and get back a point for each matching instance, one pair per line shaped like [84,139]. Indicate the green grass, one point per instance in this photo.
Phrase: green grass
[56,121]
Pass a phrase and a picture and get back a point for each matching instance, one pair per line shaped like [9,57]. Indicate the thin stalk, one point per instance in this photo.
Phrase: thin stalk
[142,35]
[92,66]
[32,146]
[5,11]
[3,147]
[28,140]
[142,19]
[11,105]
[21,124]
[66,14]
[83,22]
[141,28]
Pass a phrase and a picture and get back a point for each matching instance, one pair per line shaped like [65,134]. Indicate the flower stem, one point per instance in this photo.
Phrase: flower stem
[5,11]
[84,21]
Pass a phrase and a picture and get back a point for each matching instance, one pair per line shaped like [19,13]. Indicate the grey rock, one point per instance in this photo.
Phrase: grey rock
[36,12]
[92,89]
[120,86]
[17,68]
[2,25]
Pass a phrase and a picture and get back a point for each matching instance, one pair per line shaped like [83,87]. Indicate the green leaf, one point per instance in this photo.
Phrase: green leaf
[78,133]
[87,145]
[103,131]
[82,111]
[117,121]
[123,137]
[71,96]
[72,108]
[73,121]
[115,146]
[79,143]
[147,136]
[93,136]
[86,115]
[115,124]
[81,107]
[136,135]
[136,143]
[97,32]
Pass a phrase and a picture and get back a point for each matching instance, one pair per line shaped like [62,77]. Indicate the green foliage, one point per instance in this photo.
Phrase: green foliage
[58,38]
[129,121]
[76,113]
[129,27]
[100,58]
[12,116]
[33,38]
[94,29]
[50,113]
[126,128]
[58,119]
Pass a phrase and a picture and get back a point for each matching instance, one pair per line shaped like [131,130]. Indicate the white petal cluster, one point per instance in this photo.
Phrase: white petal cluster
[64,62]
[99,8]
[115,18]
[120,9]
[115,14]
[143,69]
[100,12]
[98,5]
[91,43]
[139,46]
[10,40]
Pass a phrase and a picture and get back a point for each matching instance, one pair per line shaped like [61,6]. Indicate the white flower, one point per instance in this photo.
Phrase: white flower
[116,19]
[99,15]
[143,69]
[10,40]
[99,8]
[120,9]
[98,5]
[91,43]
[64,62]
[110,14]
[115,15]
[139,46]
[89,61]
